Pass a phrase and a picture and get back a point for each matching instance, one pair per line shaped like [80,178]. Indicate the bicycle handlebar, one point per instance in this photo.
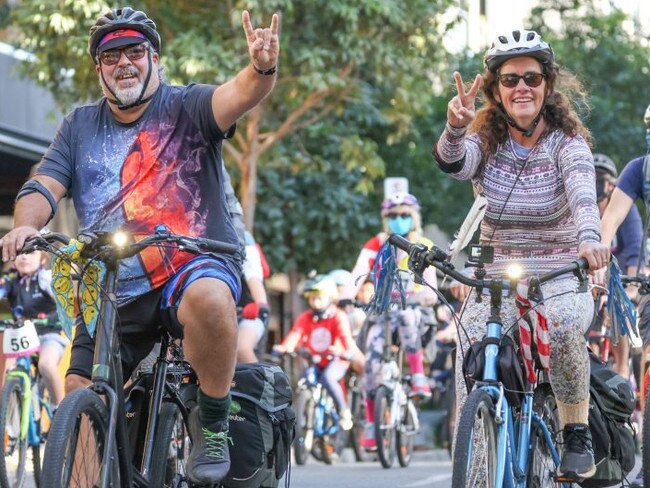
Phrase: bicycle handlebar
[103,244]
[420,256]
[643,281]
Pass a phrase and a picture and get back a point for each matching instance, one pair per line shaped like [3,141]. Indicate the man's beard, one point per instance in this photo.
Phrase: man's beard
[126,96]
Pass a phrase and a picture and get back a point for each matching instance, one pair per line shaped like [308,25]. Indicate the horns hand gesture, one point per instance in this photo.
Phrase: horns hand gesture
[263,44]
[461,109]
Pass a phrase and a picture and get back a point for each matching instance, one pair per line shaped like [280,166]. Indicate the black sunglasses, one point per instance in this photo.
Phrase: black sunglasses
[133,53]
[404,215]
[532,80]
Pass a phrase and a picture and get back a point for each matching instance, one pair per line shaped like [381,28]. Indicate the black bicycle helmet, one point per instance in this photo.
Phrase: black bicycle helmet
[122,18]
[604,164]
[515,44]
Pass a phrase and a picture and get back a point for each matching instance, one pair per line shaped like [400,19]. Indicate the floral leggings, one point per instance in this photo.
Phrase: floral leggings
[408,324]
[569,315]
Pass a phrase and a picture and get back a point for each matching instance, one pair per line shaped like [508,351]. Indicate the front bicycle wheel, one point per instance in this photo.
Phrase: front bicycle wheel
[542,468]
[645,445]
[74,452]
[358,408]
[331,443]
[405,435]
[475,452]
[304,440]
[384,428]
[14,460]
[171,449]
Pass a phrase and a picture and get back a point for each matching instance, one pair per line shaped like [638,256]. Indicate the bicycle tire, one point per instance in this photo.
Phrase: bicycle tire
[60,450]
[541,467]
[449,424]
[37,451]
[10,420]
[478,407]
[359,417]
[384,432]
[330,445]
[645,445]
[170,449]
[405,434]
[304,437]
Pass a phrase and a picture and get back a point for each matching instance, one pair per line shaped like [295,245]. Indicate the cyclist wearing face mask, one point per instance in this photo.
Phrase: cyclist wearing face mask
[401,215]
[324,329]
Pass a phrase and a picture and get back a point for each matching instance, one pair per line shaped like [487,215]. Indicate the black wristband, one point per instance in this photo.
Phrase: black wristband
[268,72]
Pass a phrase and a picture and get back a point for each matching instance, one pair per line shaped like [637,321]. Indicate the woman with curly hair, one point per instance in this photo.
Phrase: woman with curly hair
[528,153]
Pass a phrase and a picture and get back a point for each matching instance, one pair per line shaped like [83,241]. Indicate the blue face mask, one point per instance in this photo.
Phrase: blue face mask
[400,225]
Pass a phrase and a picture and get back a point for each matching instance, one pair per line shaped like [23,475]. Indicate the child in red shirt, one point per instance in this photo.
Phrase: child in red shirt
[324,329]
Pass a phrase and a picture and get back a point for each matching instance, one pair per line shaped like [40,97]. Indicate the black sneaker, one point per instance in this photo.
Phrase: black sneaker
[578,458]
[209,459]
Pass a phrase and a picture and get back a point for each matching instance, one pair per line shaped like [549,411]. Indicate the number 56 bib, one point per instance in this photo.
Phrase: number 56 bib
[22,341]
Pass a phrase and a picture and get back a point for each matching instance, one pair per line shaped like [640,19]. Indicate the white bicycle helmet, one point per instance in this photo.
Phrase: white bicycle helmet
[605,164]
[646,117]
[515,44]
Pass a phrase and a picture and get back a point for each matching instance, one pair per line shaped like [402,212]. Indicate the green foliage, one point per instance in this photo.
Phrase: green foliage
[354,80]
[612,64]
[312,218]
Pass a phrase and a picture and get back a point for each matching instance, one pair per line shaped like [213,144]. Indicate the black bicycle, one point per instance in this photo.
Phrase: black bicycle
[90,442]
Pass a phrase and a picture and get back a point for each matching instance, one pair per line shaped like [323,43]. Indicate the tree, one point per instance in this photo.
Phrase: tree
[346,69]
[612,63]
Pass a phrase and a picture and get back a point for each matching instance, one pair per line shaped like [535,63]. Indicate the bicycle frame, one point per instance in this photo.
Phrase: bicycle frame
[311,381]
[513,434]
[391,374]
[107,356]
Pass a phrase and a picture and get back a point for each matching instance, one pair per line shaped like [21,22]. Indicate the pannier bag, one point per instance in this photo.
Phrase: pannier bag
[261,426]
[611,403]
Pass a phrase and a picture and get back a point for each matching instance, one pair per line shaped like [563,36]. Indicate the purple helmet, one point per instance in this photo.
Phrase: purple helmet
[398,199]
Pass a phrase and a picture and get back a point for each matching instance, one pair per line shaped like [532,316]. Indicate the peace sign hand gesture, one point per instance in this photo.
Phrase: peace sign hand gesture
[263,44]
[461,109]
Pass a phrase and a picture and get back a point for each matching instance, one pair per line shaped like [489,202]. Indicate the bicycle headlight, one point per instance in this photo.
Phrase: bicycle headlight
[514,271]
[120,239]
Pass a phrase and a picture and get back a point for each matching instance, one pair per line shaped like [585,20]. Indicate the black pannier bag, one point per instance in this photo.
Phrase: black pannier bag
[611,403]
[261,426]
[510,369]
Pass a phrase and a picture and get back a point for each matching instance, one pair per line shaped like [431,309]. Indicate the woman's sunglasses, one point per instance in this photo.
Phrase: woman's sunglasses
[531,79]
[133,52]
[405,215]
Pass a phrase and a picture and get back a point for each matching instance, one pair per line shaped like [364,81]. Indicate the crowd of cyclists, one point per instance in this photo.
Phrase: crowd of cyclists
[549,201]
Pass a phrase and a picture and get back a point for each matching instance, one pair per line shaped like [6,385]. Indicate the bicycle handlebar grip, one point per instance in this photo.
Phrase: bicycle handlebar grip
[217,246]
[400,242]
[582,264]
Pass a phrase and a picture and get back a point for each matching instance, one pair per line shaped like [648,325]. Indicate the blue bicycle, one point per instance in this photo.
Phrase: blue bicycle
[23,407]
[498,445]
[318,429]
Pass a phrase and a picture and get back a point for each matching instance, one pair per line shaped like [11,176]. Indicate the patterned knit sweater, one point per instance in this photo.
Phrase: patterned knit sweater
[539,218]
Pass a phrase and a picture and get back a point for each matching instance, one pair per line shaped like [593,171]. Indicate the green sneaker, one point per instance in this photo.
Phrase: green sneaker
[209,459]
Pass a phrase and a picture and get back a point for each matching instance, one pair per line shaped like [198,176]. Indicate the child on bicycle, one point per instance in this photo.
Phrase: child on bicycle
[30,288]
[401,215]
[324,329]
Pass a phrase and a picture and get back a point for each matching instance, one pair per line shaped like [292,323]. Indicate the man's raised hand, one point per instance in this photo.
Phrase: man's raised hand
[263,44]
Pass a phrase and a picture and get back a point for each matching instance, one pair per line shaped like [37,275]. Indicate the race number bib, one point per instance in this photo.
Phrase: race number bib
[22,341]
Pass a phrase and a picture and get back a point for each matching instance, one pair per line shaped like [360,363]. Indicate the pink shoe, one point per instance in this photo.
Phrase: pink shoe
[420,389]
